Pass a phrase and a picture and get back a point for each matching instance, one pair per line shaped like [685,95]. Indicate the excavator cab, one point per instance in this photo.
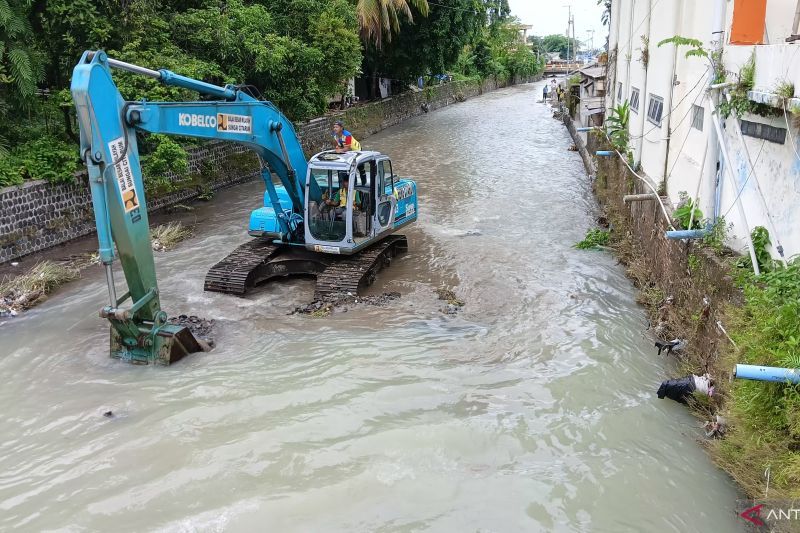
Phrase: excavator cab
[358,201]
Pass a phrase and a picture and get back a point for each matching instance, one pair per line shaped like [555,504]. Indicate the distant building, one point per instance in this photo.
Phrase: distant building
[592,96]
[523,30]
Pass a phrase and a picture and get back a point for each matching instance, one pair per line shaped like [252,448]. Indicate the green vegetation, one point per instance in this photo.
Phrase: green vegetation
[166,236]
[616,126]
[717,233]
[761,243]
[554,43]
[785,89]
[766,416]
[296,54]
[26,290]
[594,238]
[714,57]
[693,262]
[688,215]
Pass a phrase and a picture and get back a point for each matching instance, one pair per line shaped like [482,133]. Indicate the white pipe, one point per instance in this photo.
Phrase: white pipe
[671,96]
[712,177]
[726,160]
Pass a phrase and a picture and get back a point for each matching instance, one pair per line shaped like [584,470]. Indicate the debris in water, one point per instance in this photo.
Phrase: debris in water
[715,429]
[453,303]
[339,301]
[675,344]
[109,414]
[26,290]
[680,389]
[200,328]
[166,236]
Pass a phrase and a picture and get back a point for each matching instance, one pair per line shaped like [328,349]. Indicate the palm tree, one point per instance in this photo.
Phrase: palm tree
[379,18]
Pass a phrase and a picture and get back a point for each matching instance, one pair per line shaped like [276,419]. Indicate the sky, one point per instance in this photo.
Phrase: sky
[550,16]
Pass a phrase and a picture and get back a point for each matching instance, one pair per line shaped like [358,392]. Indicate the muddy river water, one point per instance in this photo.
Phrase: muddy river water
[532,409]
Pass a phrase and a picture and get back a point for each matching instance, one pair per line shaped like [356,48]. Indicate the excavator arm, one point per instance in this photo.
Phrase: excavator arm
[108,127]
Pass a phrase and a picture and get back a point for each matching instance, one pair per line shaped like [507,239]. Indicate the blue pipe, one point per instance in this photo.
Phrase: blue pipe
[767,373]
[604,153]
[687,234]
[590,128]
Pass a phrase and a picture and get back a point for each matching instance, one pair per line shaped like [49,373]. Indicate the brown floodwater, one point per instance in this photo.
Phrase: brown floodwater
[532,409]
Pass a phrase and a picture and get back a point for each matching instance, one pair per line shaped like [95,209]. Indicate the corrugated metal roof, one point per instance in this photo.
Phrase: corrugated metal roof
[593,72]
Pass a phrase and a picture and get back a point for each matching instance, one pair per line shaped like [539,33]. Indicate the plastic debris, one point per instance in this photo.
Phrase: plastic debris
[680,389]
[677,345]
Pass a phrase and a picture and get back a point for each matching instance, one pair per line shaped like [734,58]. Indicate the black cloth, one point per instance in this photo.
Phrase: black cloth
[677,389]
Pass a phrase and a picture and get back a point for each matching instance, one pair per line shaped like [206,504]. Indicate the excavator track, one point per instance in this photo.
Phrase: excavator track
[348,274]
[260,260]
[236,273]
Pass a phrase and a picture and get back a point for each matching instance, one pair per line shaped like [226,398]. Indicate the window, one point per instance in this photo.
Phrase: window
[698,114]
[619,91]
[386,176]
[764,131]
[635,99]
[655,109]
[327,223]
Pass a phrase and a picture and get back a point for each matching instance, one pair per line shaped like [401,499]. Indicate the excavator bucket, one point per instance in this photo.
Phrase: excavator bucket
[163,346]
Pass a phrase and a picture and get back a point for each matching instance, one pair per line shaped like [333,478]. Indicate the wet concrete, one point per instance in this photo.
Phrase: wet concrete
[531,409]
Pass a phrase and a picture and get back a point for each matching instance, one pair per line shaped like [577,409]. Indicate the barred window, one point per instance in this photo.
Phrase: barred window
[655,109]
[698,115]
[635,99]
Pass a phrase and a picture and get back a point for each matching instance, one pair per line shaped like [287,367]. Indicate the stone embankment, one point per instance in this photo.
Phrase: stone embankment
[38,215]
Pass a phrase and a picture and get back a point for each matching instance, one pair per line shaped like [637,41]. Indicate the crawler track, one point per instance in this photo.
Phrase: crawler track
[349,274]
[236,273]
[260,260]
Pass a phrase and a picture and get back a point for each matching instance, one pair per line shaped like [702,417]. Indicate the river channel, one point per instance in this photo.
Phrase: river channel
[532,409]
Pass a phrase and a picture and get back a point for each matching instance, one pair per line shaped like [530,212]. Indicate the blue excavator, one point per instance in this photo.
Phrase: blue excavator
[333,216]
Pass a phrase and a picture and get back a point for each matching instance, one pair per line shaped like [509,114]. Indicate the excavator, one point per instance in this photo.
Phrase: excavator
[333,216]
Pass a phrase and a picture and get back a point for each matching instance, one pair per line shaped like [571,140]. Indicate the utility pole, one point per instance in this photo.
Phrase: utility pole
[591,40]
[569,21]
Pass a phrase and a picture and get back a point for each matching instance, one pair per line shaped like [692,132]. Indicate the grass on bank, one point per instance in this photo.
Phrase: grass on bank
[26,290]
[762,317]
[765,416]
[166,236]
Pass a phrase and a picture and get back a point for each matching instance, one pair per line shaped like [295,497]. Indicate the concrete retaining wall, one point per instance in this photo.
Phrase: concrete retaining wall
[37,215]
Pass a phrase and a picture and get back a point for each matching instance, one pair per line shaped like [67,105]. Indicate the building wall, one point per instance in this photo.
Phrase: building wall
[677,150]
[38,215]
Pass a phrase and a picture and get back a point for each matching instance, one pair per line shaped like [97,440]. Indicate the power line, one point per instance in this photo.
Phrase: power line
[674,108]
[752,169]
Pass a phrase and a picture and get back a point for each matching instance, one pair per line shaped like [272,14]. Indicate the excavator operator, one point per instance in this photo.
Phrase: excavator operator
[336,207]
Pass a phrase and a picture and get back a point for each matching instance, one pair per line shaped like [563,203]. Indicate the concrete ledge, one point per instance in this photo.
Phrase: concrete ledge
[773,100]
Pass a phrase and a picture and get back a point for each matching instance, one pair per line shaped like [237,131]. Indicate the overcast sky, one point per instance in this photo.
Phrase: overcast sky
[550,16]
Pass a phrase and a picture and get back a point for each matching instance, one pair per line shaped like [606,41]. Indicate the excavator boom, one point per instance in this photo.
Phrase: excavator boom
[290,221]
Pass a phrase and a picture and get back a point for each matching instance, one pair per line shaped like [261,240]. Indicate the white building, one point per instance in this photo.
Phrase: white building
[672,130]
[592,96]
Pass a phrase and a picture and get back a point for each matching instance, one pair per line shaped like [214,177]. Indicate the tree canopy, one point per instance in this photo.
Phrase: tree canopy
[296,53]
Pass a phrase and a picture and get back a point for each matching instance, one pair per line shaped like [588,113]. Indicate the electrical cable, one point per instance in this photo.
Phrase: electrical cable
[789,129]
[674,108]
[683,144]
[646,182]
[741,190]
